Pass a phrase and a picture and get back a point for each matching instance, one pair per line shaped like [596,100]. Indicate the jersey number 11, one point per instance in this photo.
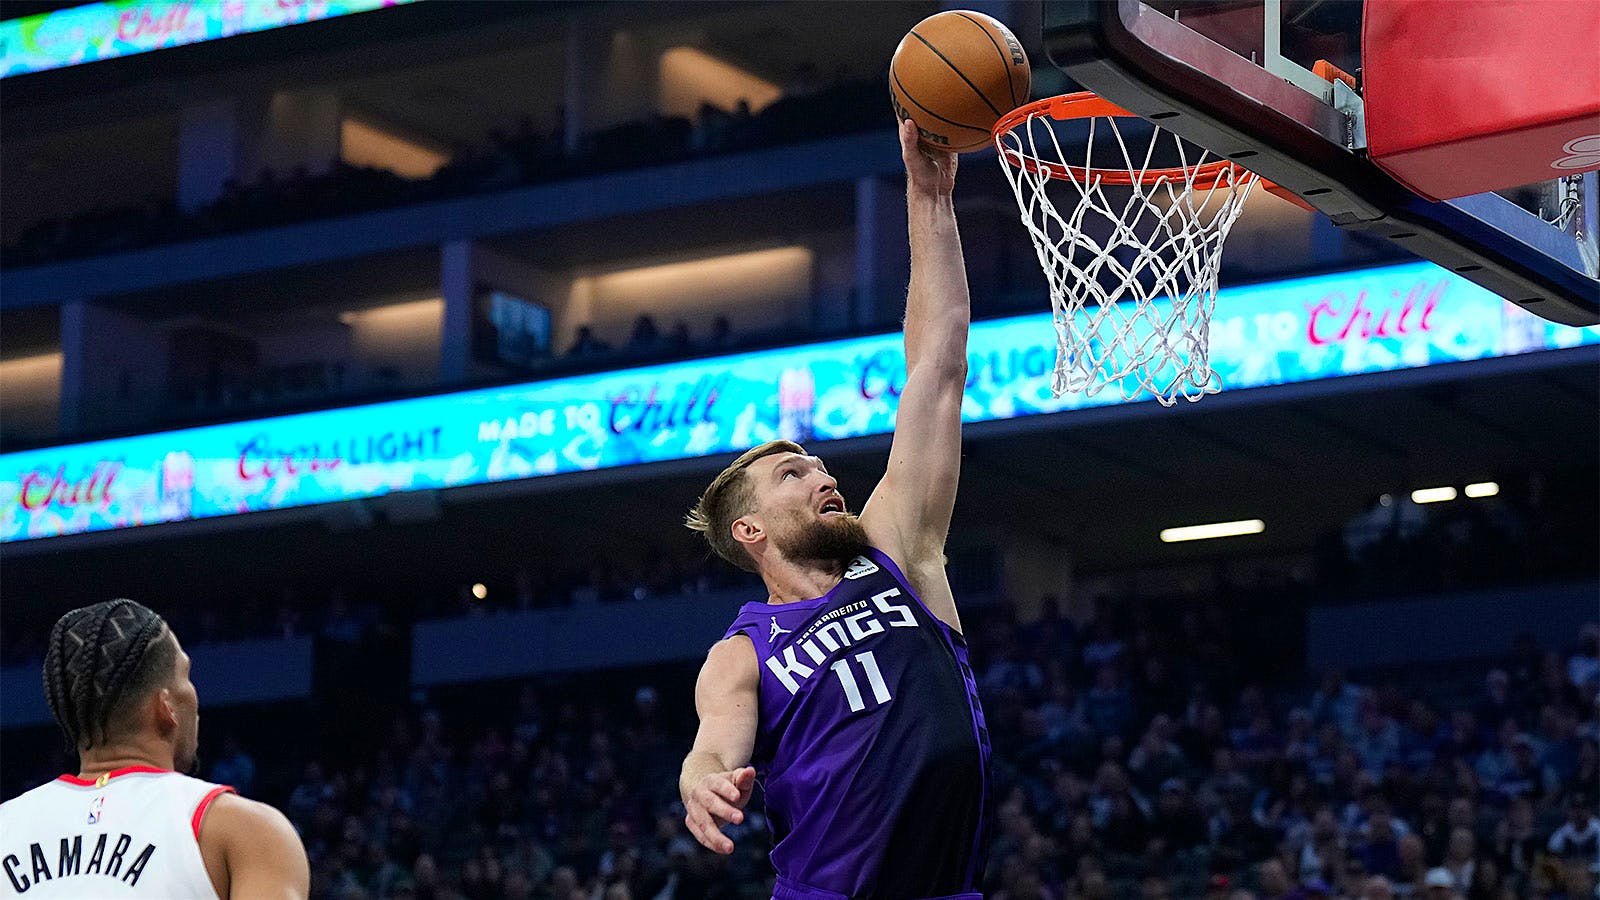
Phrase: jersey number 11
[852,691]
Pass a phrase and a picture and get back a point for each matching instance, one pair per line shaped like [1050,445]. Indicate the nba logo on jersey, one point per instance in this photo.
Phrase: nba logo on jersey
[95,807]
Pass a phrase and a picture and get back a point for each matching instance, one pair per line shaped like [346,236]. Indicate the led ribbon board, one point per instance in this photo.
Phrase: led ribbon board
[81,34]
[1305,329]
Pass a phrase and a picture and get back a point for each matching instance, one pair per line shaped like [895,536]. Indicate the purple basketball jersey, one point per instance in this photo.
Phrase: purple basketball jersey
[872,749]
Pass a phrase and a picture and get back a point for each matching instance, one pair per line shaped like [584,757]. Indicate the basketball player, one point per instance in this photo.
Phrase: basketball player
[847,694]
[129,824]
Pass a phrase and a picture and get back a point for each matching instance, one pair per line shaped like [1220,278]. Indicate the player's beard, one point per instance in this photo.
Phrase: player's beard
[189,746]
[830,539]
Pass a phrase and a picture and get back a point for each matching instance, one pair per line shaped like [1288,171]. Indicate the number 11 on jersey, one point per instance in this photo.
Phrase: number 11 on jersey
[847,680]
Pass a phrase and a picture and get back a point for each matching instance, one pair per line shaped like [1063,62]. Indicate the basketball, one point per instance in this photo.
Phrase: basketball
[956,73]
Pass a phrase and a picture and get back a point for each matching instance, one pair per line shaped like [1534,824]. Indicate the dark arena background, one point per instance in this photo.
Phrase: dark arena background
[382,346]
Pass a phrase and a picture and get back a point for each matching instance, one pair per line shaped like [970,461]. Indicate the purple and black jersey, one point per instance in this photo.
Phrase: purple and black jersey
[872,748]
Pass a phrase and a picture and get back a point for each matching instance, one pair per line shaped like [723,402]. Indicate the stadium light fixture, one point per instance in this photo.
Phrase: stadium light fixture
[1214,530]
[1482,489]
[1433,495]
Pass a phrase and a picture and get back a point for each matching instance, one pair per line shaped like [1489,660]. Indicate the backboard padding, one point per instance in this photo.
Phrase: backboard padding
[1141,57]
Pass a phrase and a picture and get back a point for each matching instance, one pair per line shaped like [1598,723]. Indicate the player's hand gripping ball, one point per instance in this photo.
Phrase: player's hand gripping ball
[956,74]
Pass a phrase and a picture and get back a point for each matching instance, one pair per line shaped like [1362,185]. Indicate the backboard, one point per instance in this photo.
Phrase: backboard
[1264,83]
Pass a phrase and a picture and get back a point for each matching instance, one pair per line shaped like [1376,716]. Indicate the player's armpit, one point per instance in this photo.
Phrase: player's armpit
[260,851]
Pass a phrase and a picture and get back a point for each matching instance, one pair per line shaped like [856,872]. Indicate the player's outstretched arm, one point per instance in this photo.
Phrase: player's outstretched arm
[716,782]
[251,850]
[908,515]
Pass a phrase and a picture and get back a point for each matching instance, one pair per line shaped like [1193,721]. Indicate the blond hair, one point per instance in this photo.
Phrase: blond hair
[729,497]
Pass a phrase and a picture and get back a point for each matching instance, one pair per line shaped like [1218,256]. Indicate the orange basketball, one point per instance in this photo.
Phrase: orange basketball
[956,74]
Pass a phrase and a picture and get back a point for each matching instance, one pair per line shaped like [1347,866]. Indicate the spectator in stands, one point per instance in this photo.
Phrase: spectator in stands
[1378,742]
[1554,684]
[1009,671]
[742,122]
[1274,880]
[504,159]
[1583,667]
[1561,748]
[1487,883]
[1584,778]
[1578,838]
[1413,864]
[1156,760]
[721,334]
[1154,887]
[541,776]
[1461,740]
[586,344]
[235,767]
[1516,845]
[1236,837]
[1322,846]
[1177,823]
[1497,704]
[1104,649]
[1524,776]
[1377,888]
[1461,858]
[1379,849]
[1496,763]
[1439,885]
[1462,815]
[1108,707]
[646,338]
[1336,701]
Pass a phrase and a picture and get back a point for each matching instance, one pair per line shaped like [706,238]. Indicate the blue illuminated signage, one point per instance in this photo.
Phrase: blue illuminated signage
[1291,331]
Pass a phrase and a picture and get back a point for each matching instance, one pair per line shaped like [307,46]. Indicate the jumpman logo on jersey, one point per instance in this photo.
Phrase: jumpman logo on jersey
[777,630]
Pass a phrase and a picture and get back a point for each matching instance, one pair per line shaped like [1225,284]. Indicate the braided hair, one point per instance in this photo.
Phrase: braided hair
[100,656]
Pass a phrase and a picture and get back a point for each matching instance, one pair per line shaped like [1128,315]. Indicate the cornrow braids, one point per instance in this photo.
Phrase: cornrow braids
[98,657]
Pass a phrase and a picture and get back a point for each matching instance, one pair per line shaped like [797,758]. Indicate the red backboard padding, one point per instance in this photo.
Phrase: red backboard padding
[1467,96]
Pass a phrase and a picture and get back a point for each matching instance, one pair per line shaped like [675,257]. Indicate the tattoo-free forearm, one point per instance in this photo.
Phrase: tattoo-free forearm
[938,307]
[696,766]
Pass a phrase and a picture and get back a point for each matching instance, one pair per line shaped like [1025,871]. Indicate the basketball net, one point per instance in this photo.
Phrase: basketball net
[1131,252]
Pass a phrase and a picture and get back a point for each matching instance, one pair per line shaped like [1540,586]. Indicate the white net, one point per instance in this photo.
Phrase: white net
[1132,266]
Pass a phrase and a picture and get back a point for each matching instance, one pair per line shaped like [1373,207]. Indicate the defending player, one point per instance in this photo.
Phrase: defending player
[128,824]
[848,693]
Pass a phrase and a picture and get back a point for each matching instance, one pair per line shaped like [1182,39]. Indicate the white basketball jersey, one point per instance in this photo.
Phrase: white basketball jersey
[134,832]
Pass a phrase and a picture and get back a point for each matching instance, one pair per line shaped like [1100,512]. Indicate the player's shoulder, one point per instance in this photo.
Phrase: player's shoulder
[731,661]
[256,846]
[231,816]
[732,650]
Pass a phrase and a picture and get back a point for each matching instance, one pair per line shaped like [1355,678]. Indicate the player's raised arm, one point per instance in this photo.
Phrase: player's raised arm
[908,515]
[716,782]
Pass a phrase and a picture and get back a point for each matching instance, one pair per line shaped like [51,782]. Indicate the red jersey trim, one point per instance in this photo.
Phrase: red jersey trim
[205,802]
[127,770]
